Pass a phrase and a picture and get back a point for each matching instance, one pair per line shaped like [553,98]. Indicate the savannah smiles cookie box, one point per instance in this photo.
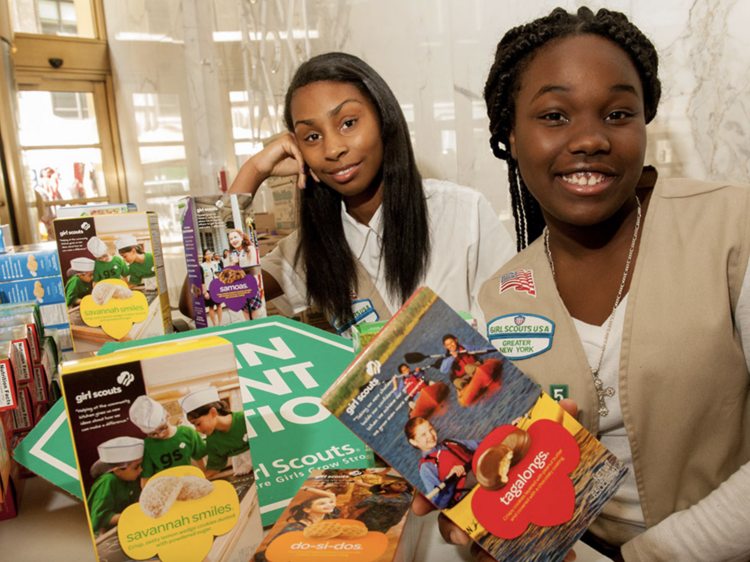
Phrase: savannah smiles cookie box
[113,276]
[223,263]
[355,515]
[161,443]
[476,436]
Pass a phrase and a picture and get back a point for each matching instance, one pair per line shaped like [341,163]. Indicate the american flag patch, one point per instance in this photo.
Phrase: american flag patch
[521,280]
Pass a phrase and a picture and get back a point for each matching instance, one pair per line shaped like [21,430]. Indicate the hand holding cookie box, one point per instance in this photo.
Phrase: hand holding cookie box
[473,434]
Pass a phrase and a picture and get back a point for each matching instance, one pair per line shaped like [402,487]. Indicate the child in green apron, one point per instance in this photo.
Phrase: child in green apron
[225,431]
[165,445]
[106,265]
[79,283]
[140,263]
[116,483]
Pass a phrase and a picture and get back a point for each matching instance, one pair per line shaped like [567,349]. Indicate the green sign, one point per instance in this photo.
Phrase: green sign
[48,451]
[284,367]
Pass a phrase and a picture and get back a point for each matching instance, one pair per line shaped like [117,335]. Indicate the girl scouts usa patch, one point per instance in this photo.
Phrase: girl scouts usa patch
[520,336]
[521,281]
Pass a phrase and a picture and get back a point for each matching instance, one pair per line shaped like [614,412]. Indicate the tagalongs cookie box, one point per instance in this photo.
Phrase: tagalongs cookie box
[476,436]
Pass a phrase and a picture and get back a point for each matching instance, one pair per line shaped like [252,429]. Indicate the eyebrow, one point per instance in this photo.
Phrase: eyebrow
[335,111]
[564,89]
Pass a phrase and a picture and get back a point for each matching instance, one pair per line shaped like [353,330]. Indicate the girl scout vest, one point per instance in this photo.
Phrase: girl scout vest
[367,304]
[683,380]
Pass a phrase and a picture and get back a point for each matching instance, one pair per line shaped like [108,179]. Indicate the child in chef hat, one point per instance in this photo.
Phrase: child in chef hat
[79,285]
[106,266]
[225,430]
[165,445]
[116,483]
[140,263]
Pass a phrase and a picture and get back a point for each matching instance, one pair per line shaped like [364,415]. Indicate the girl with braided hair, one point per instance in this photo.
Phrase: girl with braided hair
[371,229]
[626,266]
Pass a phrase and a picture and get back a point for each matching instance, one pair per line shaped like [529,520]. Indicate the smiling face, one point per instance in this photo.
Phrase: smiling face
[338,132]
[450,344]
[207,256]
[579,133]
[321,506]
[425,437]
[235,240]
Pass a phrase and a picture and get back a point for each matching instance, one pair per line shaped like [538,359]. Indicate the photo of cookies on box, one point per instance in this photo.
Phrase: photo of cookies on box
[356,515]
[162,445]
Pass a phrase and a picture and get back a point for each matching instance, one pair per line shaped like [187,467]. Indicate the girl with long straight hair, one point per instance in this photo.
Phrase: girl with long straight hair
[371,230]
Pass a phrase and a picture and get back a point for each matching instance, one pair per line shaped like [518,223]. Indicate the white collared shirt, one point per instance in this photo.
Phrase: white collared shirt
[468,245]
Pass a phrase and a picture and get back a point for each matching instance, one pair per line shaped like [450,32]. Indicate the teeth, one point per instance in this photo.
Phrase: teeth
[585,178]
[342,172]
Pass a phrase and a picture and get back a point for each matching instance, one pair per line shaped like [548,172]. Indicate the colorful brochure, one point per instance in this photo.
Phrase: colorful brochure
[348,515]
[221,249]
[162,449]
[476,436]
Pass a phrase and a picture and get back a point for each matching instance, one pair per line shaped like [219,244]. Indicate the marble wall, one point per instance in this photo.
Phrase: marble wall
[200,84]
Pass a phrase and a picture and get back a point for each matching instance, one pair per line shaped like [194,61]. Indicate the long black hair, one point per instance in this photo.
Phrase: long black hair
[514,54]
[326,257]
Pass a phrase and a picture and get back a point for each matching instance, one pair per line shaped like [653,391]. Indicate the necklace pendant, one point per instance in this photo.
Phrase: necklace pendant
[601,392]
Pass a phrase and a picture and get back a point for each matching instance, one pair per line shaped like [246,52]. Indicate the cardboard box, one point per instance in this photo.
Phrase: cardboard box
[347,515]
[29,262]
[23,416]
[284,192]
[70,211]
[134,417]
[8,393]
[122,253]
[230,290]
[431,396]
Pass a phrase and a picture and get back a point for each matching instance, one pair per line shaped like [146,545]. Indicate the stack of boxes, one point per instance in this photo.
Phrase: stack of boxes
[32,273]
[28,384]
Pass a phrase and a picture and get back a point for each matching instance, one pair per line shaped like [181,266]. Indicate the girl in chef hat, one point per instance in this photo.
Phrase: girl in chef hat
[165,445]
[81,274]
[106,265]
[140,263]
[225,430]
[116,483]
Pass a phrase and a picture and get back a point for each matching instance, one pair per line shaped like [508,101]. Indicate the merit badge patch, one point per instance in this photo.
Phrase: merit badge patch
[520,336]
[521,281]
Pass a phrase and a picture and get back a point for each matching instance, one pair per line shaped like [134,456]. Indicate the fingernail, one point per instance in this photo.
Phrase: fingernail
[457,537]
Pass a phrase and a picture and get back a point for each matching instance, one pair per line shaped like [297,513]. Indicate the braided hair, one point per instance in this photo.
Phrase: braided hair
[514,54]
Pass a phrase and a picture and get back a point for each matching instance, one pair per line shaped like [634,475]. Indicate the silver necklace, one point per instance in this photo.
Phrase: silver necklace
[601,392]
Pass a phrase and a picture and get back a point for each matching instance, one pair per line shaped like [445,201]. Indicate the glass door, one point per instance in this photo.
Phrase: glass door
[66,148]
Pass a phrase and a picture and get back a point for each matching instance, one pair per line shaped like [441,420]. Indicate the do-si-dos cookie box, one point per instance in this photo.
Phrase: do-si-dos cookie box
[113,275]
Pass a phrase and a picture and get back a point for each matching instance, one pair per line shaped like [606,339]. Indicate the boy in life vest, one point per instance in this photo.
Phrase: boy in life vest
[445,467]
[408,382]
